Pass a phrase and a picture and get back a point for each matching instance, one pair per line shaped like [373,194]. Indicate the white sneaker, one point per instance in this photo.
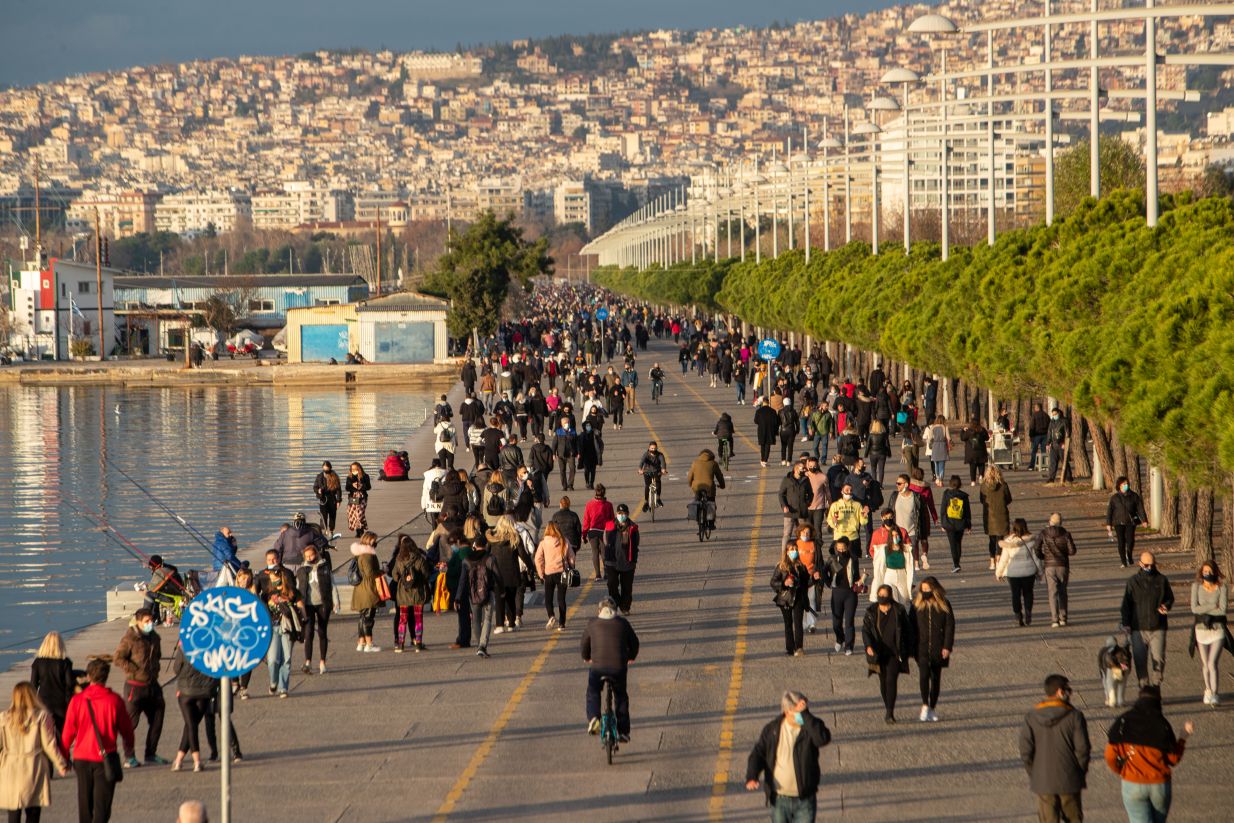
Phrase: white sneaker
[551,624]
[359,647]
[1216,701]
[518,623]
[925,714]
[838,647]
[499,630]
[321,667]
[372,648]
[925,563]
[933,716]
[1208,697]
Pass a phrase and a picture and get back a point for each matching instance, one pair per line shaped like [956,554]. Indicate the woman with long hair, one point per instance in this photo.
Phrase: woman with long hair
[996,509]
[1209,602]
[329,491]
[506,546]
[51,674]
[885,631]
[410,572]
[245,580]
[358,486]
[554,557]
[364,597]
[934,622]
[791,583]
[1019,565]
[28,751]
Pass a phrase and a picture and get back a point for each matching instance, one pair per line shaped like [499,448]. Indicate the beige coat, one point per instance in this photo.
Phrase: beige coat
[26,760]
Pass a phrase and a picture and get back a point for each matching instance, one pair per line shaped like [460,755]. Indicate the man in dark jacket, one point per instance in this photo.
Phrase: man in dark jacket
[510,458]
[1056,444]
[795,496]
[568,524]
[565,447]
[1055,548]
[1038,425]
[767,423]
[468,375]
[1146,601]
[1054,747]
[621,558]
[139,655]
[291,543]
[784,760]
[540,459]
[1123,515]
[609,646]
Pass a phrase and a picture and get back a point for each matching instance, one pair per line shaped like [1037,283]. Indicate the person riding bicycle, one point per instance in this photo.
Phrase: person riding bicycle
[657,379]
[724,432]
[165,587]
[609,646]
[705,475]
[652,467]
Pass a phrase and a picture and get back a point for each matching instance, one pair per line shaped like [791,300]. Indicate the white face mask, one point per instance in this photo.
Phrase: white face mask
[848,497]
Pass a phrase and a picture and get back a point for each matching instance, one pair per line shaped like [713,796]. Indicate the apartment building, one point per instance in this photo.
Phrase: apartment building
[197,212]
[119,214]
[301,203]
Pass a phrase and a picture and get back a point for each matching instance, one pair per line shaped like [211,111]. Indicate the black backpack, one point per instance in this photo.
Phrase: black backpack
[496,506]
[434,491]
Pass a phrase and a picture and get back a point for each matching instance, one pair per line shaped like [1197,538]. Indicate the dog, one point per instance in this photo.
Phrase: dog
[1113,664]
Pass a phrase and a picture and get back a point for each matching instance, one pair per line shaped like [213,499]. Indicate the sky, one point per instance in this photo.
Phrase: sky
[41,41]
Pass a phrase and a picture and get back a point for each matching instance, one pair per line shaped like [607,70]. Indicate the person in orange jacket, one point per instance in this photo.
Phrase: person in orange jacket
[1143,751]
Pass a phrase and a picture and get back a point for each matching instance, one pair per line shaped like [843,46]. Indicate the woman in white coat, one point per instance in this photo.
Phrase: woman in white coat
[28,752]
[1019,565]
[892,555]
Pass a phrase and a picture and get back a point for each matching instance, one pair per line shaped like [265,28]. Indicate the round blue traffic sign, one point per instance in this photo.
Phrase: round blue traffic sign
[768,348]
[601,314]
[225,631]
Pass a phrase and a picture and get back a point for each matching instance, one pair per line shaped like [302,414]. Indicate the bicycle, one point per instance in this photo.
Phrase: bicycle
[608,721]
[701,512]
[653,498]
[657,389]
[726,451]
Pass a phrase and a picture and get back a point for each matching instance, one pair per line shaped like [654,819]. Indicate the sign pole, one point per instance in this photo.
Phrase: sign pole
[225,747]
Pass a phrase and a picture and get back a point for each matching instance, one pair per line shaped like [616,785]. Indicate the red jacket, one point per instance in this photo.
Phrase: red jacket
[598,515]
[109,713]
[394,467]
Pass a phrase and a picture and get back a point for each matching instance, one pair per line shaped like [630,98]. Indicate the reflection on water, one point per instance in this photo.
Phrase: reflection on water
[238,456]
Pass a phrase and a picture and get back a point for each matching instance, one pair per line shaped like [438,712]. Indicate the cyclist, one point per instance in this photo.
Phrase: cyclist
[724,432]
[609,646]
[705,475]
[657,380]
[652,467]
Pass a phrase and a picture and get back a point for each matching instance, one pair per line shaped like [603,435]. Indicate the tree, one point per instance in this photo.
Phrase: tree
[219,313]
[478,270]
[1121,165]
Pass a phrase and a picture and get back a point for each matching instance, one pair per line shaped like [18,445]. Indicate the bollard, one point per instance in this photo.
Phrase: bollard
[1156,497]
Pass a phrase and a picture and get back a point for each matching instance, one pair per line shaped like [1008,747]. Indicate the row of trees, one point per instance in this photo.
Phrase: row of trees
[1125,323]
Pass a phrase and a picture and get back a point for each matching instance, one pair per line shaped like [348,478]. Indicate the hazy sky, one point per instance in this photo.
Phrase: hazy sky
[49,40]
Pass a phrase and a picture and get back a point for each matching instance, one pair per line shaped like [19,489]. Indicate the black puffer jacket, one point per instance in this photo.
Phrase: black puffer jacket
[1145,592]
[761,764]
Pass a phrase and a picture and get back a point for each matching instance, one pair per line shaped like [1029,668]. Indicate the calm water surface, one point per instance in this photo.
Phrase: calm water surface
[238,456]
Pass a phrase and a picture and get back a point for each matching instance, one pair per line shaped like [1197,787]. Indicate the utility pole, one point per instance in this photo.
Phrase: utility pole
[98,277]
[378,251]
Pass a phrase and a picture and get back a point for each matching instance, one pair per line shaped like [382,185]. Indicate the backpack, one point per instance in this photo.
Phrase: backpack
[353,572]
[443,436]
[955,508]
[480,585]
[434,491]
[496,505]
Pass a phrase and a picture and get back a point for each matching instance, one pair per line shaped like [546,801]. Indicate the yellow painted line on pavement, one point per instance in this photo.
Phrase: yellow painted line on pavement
[724,752]
[516,697]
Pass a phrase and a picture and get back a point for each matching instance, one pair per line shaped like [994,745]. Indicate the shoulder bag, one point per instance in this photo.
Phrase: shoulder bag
[113,772]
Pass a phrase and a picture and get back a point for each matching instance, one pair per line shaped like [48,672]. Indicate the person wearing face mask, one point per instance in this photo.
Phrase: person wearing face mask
[1209,603]
[791,583]
[820,496]
[891,555]
[139,655]
[795,497]
[1056,445]
[886,634]
[846,517]
[1147,600]
[1123,515]
[315,583]
[842,573]
[807,553]
[933,625]
[1054,747]
[653,466]
[621,557]
[358,486]
[276,586]
[784,760]
[590,452]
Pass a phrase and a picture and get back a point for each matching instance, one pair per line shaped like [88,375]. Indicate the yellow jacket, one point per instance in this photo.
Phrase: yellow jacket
[846,517]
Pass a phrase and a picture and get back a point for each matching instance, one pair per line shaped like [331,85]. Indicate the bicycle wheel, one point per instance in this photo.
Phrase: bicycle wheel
[652,501]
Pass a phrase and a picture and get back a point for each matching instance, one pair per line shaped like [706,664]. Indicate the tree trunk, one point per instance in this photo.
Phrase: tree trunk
[1169,507]
[1081,467]
[1186,515]
[1134,472]
[1101,444]
[1203,537]
[1120,456]
[1225,552]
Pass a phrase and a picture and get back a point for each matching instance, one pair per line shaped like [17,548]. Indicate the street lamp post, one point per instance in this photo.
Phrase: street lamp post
[1150,113]
[871,129]
[937,24]
[825,144]
[905,76]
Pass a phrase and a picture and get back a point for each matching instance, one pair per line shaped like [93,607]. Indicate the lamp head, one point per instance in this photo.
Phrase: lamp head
[900,75]
[883,104]
[933,24]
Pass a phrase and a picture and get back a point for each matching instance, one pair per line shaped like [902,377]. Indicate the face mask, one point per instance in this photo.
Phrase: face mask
[792,554]
[798,719]
[842,550]
[1146,569]
[1124,488]
[848,497]
[888,523]
[883,600]
[1210,578]
[927,595]
[272,566]
[146,628]
[621,518]
[805,536]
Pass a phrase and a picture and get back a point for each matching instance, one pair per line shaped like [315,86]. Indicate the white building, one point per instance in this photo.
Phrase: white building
[572,203]
[195,212]
[300,203]
[64,298]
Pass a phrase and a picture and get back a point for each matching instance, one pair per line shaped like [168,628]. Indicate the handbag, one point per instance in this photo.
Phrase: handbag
[382,587]
[113,772]
[570,578]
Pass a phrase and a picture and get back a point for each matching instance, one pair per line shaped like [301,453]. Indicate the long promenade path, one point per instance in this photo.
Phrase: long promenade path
[445,735]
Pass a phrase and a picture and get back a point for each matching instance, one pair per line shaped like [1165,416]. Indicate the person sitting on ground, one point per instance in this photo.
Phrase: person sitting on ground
[393,468]
[165,585]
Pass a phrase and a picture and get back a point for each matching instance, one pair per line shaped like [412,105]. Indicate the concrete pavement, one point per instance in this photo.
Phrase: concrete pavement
[445,735]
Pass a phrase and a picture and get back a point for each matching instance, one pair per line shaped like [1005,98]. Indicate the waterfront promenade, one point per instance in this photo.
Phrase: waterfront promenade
[445,735]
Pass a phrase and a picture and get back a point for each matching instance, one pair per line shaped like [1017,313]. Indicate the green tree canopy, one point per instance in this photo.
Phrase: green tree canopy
[1121,165]
[479,268]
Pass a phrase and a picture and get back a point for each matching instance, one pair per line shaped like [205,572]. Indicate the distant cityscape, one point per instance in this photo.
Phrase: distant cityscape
[566,130]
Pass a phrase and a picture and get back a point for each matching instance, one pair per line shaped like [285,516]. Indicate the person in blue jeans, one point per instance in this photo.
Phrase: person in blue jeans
[784,761]
[609,646]
[1143,752]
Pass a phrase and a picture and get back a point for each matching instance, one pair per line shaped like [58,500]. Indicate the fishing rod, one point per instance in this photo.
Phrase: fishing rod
[100,522]
[192,530]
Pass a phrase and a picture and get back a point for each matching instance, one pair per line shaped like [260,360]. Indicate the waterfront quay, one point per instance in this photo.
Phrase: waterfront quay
[445,735]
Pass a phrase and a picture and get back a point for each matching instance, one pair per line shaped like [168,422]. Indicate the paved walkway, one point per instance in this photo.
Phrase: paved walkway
[446,735]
